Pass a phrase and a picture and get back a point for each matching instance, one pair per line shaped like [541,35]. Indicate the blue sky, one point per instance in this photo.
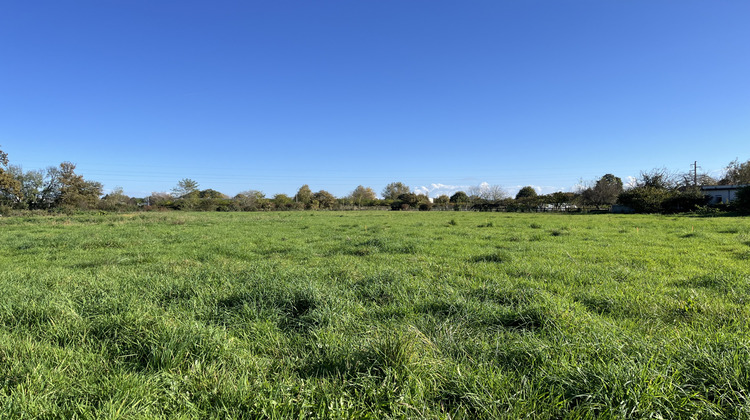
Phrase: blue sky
[270,95]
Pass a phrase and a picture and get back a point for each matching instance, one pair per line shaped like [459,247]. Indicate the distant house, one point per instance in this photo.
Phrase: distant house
[557,207]
[719,194]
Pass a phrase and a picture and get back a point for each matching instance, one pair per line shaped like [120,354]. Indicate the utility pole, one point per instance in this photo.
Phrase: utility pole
[695,173]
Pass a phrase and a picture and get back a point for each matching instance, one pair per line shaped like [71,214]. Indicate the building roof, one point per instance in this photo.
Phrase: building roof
[721,187]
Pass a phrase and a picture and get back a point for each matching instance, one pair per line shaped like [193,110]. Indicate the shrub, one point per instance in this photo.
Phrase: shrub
[742,202]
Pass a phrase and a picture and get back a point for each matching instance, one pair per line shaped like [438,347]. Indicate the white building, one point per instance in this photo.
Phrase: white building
[721,193]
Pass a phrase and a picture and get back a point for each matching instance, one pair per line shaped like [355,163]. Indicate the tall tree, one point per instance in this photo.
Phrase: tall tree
[304,195]
[10,187]
[50,192]
[604,192]
[211,194]
[184,187]
[526,192]
[186,194]
[737,173]
[76,192]
[115,200]
[362,195]
[325,200]
[492,193]
[32,183]
[658,178]
[459,197]
[250,200]
[282,202]
[394,189]
[442,200]
[158,198]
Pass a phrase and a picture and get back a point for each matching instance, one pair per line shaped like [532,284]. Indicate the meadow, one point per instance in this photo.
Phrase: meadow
[374,315]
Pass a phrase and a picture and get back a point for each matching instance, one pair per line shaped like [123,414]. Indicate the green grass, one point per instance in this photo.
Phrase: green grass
[374,315]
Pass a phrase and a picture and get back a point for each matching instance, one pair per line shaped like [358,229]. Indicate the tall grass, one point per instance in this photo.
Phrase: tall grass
[375,315]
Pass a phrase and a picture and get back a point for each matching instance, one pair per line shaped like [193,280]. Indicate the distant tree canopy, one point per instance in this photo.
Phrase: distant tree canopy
[659,178]
[324,200]
[492,193]
[304,195]
[250,200]
[115,200]
[659,191]
[459,197]
[362,195]
[736,173]
[209,193]
[411,200]
[655,191]
[604,192]
[692,179]
[282,200]
[10,187]
[184,187]
[442,200]
[75,192]
[395,189]
[526,192]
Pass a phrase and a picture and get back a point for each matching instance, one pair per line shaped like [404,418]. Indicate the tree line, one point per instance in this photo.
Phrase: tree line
[60,188]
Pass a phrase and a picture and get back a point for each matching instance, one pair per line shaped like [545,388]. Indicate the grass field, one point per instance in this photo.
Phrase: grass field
[374,315]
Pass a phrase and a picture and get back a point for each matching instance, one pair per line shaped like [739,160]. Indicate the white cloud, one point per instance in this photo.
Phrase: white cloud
[438,189]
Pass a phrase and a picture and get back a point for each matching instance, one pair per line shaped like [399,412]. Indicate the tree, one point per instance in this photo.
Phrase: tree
[442,200]
[475,194]
[561,199]
[492,193]
[644,199]
[526,192]
[158,198]
[736,173]
[184,187]
[657,191]
[659,178]
[282,201]
[250,200]
[50,191]
[115,200]
[75,192]
[690,179]
[362,195]
[186,194]
[604,192]
[211,194]
[324,199]
[459,197]
[394,189]
[32,183]
[408,200]
[10,187]
[304,195]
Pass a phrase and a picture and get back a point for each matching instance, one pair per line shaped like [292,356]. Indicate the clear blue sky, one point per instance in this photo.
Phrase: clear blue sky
[270,95]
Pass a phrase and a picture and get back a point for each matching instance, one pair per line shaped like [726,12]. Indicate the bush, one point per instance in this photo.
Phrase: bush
[688,200]
[644,199]
[742,202]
